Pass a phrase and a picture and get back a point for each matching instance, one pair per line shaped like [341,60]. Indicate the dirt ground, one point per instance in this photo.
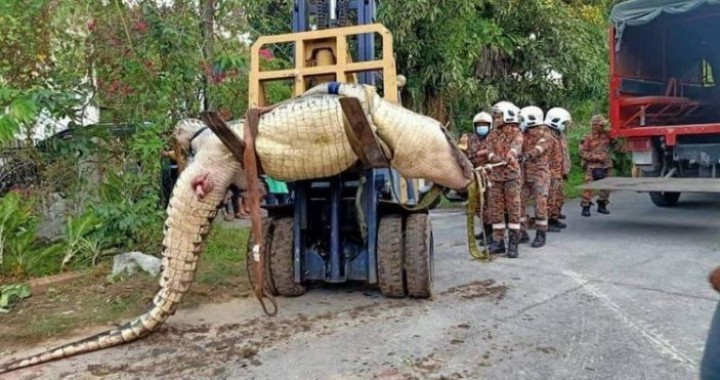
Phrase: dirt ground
[93,301]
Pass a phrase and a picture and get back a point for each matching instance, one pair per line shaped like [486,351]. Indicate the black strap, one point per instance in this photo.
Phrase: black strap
[196,134]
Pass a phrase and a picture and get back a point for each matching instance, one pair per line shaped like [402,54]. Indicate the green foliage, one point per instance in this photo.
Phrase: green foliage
[33,76]
[577,175]
[224,255]
[9,294]
[148,69]
[83,240]
[20,251]
[128,205]
[460,57]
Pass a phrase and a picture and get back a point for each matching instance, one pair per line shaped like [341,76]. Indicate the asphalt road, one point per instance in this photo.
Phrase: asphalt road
[623,296]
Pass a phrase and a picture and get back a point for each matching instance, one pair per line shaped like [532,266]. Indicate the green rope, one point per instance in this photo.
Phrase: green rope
[425,202]
[362,223]
[476,201]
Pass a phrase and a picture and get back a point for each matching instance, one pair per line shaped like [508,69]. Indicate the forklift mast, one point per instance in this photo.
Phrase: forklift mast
[338,13]
[328,14]
[350,226]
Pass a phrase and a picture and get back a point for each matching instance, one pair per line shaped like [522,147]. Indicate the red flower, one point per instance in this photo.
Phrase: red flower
[141,27]
[266,54]
[219,78]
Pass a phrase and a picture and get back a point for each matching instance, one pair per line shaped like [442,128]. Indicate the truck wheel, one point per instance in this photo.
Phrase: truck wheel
[281,259]
[390,257]
[267,225]
[419,255]
[662,199]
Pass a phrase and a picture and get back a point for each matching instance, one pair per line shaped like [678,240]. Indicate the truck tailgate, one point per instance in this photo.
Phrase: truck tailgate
[681,185]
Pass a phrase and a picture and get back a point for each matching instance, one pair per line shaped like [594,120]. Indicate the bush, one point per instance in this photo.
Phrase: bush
[21,253]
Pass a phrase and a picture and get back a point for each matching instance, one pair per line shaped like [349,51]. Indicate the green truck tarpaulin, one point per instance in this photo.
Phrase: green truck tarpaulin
[639,12]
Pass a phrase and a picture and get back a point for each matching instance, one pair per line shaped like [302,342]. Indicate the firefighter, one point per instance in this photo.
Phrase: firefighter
[558,119]
[504,144]
[537,141]
[477,153]
[597,162]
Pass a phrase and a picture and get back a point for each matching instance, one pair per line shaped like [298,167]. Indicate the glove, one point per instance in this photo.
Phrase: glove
[494,158]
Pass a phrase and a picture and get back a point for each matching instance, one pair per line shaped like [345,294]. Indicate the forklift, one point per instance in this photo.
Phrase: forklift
[358,226]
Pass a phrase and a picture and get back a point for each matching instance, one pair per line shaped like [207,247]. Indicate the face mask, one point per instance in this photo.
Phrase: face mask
[482,130]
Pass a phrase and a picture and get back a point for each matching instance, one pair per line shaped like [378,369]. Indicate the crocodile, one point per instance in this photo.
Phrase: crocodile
[287,141]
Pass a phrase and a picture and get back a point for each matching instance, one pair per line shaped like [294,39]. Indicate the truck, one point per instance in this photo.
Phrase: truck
[664,99]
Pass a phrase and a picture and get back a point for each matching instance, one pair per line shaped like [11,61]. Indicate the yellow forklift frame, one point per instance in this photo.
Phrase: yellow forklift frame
[323,56]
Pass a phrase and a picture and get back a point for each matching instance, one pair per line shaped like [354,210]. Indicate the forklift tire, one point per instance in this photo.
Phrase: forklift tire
[390,257]
[281,259]
[418,255]
[267,225]
[662,199]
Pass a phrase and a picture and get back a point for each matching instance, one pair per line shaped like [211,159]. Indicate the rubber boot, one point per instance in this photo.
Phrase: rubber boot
[513,244]
[557,223]
[586,210]
[539,239]
[487,231]
[524,237]
[602,207]
[497,247]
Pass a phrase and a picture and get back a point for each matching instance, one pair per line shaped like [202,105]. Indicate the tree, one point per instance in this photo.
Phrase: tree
[461,56]
[144,64]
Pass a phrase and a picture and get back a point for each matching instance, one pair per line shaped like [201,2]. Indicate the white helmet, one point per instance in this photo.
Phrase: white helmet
[510,112]
[482,123]
[557,118]
[482,117]
[530,116]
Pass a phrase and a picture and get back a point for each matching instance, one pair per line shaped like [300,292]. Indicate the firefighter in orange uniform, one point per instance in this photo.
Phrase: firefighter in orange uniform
[504,144]
[558,119]
[477,153]
[597,161]
[537,141]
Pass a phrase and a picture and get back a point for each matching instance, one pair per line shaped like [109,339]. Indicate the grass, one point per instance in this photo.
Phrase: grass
[94,300]
[577,174]
[224,256]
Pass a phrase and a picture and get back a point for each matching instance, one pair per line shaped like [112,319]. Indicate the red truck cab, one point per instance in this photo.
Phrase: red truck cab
[664,98]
